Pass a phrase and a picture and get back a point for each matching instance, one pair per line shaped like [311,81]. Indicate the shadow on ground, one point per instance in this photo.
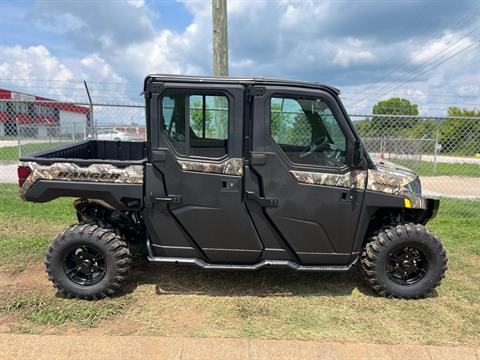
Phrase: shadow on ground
[178,279]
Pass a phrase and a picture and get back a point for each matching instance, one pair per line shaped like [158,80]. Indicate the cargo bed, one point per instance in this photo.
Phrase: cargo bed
[110,171]
[93,151]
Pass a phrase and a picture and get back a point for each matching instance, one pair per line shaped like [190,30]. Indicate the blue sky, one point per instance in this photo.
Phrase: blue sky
[371,50]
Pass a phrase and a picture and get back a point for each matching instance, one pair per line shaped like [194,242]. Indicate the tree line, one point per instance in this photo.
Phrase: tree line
[456,135]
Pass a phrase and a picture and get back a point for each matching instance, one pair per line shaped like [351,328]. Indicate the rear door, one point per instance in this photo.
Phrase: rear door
[194,179]
[300,153]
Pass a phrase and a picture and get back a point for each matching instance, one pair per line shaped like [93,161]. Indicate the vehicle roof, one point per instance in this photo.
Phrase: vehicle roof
[240,80]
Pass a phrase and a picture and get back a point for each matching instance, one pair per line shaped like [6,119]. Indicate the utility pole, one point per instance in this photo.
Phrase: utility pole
[220,38]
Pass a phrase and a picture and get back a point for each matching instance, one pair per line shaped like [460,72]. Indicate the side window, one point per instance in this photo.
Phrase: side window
[174,113]
[196,125]
[307,131]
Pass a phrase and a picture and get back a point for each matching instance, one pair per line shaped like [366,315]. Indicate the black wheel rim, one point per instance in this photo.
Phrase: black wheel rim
[407,265]
[85,265]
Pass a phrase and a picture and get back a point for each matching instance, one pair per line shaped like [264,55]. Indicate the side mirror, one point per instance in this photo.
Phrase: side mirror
[358,154]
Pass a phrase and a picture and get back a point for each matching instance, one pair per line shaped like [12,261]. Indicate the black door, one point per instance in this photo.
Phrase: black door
[300,154]
[194,178]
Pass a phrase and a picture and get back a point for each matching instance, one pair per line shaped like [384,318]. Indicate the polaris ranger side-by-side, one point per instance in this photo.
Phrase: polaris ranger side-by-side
[237,173]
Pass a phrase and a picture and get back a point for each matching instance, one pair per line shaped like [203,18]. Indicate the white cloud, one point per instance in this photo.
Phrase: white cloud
[35,70]
[94,67]
[136,3]
[353,52]
[342,44]
[166,53]
[100,26]
[449,43]
[296,14]
[21,64]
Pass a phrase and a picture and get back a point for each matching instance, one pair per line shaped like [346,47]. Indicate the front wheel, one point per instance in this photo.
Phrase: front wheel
[87,261]
[404,261]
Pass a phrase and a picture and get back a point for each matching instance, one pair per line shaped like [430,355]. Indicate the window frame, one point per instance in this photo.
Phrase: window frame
[313,95]
[188,92]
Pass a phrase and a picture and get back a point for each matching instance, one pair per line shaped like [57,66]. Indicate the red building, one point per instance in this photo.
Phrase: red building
[40,115]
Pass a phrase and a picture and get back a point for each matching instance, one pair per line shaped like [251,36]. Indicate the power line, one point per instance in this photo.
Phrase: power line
[425,70]
[68,81]
[440,63]
[458,22]
[455,96]
[429,61]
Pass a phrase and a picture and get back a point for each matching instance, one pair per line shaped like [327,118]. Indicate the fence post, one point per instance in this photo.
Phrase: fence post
[382,148]
[18,139]
[435,150]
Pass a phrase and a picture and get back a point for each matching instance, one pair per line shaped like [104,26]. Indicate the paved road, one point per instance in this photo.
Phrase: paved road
[13,346]
[461,187]
[440,158]
[8,172]
[8,143]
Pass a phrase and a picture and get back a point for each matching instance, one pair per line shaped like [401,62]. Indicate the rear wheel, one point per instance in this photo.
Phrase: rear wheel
[406,261]
[87,261]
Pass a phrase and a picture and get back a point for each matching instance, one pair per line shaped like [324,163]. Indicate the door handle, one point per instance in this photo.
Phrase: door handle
[259,159]
[170,199]
[229,185]
[159,155]
[348,195]
[263,202]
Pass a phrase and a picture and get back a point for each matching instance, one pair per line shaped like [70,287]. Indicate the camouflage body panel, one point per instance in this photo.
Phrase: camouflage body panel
[392,179]
[107,173]
[233,166]
[387,178]
[352,179]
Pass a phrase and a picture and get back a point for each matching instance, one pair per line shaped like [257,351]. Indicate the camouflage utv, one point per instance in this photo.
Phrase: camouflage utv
[237,173]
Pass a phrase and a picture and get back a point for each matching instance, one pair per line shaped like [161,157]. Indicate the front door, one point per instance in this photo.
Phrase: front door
[194,177]
[300,152]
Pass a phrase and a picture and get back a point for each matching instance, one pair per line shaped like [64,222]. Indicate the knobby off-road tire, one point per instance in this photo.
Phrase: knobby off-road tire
[404,261]
[87,261]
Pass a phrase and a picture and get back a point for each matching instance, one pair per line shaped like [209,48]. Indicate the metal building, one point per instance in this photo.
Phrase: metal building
[39,116]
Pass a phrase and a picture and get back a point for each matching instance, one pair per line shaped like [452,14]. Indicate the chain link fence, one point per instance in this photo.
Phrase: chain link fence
[443,151]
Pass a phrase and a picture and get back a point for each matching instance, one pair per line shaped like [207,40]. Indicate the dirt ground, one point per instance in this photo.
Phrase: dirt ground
[452,186]
[184,301]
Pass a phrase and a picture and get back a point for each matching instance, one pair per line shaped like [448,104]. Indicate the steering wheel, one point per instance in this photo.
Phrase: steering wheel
[318,143]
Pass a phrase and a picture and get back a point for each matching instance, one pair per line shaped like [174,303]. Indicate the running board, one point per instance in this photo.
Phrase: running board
[264,263]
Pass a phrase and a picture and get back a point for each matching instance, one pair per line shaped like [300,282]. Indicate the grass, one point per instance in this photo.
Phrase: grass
[425,168]
[10,153]
[55,311]
[27,228]
[273,303]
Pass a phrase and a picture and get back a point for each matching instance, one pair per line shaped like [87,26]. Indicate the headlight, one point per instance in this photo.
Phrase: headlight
[415,187]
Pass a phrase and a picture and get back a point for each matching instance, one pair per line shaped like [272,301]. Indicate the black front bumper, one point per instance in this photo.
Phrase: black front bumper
[433,204]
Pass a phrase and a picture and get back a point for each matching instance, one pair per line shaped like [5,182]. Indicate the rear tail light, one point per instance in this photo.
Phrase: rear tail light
[23,174]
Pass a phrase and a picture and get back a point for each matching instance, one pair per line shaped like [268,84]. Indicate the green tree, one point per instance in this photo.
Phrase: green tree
[454,111]
[276,119]
[384,125]
[301,131]
[461,136]
[196,120]
[364,127]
